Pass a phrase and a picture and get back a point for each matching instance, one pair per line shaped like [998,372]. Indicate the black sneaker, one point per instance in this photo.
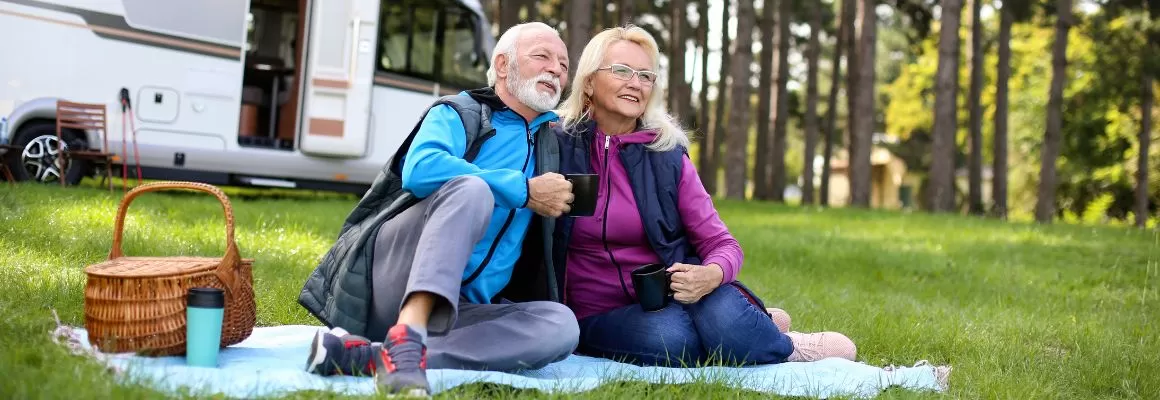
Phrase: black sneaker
[341,354]
[401,364]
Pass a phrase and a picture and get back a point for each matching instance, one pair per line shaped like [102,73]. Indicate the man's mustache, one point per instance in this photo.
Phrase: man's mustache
[549,79]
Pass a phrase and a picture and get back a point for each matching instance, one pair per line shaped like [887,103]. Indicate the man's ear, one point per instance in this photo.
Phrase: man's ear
[501,66]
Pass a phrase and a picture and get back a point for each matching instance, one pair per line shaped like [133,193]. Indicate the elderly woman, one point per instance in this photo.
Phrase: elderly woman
[652,208]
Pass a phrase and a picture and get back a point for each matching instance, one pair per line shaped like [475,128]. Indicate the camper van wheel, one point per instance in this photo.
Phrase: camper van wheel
[40,159]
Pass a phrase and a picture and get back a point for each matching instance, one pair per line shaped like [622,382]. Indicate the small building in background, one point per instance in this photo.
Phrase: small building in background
[891,186]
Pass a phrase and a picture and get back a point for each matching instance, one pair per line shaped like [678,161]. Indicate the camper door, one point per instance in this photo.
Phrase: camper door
[339,72]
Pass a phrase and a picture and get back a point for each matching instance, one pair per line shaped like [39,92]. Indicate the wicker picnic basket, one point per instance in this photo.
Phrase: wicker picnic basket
[137,304]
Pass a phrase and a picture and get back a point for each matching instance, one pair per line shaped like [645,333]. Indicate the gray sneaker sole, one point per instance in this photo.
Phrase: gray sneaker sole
[317,353]
[416,392]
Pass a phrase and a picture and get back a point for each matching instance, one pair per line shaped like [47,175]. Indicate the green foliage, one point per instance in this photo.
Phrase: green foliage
[1101,109]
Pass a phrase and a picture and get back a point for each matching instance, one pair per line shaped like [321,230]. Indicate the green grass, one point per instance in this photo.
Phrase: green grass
[1019,310]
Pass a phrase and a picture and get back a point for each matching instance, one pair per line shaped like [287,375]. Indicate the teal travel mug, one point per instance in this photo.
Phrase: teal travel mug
[203,326]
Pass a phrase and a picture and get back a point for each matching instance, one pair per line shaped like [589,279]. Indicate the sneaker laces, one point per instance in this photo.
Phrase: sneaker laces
[357,355]
[405,350]
[818,345]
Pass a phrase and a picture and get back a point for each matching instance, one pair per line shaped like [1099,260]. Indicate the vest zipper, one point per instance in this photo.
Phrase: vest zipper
[604,221]
[506,223]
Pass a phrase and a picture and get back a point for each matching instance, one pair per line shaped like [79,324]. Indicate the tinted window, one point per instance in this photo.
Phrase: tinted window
[463,64]
[431,41]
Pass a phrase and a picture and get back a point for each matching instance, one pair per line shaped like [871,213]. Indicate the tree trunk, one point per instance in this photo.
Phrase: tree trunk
[627,11]
[509,14]
[811,117]
[684,101]
[703,123]
[974,99]
[579,24]
[1145,139]
[999,168]
[1045,203]
[611,15]
[851,71]
[942,165]
[739,118]
[781,102]
[832,110]
[762,165]
[533,10]
[721,112]
[863,129]
[598,22]
[677,61]
[1151,45]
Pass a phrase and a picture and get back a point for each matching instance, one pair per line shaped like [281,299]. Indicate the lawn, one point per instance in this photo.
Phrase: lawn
[1019,310]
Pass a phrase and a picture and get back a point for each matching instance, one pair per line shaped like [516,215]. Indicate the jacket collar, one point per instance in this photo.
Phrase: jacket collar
[487,96]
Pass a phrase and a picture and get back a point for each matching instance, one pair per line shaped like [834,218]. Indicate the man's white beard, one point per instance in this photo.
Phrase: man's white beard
[525,91]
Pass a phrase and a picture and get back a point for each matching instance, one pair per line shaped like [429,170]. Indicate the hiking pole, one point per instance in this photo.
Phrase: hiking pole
[127,107]
[124,151]
[136,153]
[133,128]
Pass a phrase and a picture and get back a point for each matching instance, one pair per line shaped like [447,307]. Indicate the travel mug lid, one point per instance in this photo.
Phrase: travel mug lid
[206,297]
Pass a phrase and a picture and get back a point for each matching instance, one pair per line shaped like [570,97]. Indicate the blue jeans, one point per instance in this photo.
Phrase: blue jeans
[728,326]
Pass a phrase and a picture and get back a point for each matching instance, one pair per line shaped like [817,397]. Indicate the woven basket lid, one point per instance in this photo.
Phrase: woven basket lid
[152,267]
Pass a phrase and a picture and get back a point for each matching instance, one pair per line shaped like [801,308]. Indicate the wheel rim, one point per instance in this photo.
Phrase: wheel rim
[41,159]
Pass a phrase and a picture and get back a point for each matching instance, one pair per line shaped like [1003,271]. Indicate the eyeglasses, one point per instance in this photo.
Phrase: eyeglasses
[625,73]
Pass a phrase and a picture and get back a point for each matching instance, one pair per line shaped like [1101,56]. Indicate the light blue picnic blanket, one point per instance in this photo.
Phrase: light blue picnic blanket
[270,363]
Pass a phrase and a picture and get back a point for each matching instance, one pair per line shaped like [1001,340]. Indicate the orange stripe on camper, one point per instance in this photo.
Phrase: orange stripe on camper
[326,127]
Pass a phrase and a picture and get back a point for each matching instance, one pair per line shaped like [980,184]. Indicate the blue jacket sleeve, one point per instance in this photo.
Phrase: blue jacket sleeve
[436,156]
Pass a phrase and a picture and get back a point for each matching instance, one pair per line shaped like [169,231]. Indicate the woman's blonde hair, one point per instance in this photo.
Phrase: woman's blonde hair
[573,111]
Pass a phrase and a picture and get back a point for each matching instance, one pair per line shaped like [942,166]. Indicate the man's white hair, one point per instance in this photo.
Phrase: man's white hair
[506,45]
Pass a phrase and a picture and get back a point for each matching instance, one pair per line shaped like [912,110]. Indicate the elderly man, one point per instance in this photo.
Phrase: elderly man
[421,261]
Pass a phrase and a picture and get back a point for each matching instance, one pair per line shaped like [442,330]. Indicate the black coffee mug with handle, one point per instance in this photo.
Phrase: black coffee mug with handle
[652,286]
[584,188]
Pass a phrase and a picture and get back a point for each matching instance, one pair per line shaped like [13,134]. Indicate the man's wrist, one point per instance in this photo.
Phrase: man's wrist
[527,193]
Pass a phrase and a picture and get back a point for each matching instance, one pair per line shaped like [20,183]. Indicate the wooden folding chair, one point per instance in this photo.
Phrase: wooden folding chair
[84,117]
[7,152]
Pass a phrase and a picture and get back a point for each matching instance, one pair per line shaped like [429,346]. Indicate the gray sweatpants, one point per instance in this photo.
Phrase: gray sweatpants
[426,249]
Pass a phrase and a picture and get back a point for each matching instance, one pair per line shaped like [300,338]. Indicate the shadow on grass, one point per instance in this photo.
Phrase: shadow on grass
[246,193]
[619,389]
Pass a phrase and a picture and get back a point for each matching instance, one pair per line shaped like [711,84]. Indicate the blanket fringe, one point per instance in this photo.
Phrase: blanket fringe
[77,344]
[942,373]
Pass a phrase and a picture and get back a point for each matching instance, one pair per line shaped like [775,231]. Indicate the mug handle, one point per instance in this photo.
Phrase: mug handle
[669,292]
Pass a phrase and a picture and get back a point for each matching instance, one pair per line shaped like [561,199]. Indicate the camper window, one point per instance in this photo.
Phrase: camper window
[463,64]
[431,41]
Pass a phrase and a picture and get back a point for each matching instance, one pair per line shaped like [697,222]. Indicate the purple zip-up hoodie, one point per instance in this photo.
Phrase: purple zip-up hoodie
[594,276]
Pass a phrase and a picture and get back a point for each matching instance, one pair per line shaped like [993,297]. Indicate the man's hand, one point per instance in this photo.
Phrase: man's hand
[692,282]
[550,195]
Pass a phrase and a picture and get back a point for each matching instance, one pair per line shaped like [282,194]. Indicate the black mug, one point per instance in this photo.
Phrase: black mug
[652,283]
[584,189]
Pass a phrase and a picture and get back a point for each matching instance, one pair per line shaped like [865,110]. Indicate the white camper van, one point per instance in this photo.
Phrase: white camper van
[314,94]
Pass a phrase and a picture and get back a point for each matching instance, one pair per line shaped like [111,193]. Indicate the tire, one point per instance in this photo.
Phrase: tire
[33,138]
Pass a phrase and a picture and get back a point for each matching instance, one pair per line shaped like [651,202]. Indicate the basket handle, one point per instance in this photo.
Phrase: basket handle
[230,261]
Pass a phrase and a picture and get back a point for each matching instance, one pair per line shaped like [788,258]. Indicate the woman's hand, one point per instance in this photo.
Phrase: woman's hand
[692,282]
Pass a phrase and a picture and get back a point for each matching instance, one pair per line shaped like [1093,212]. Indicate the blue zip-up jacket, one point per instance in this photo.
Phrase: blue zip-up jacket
[505,162]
